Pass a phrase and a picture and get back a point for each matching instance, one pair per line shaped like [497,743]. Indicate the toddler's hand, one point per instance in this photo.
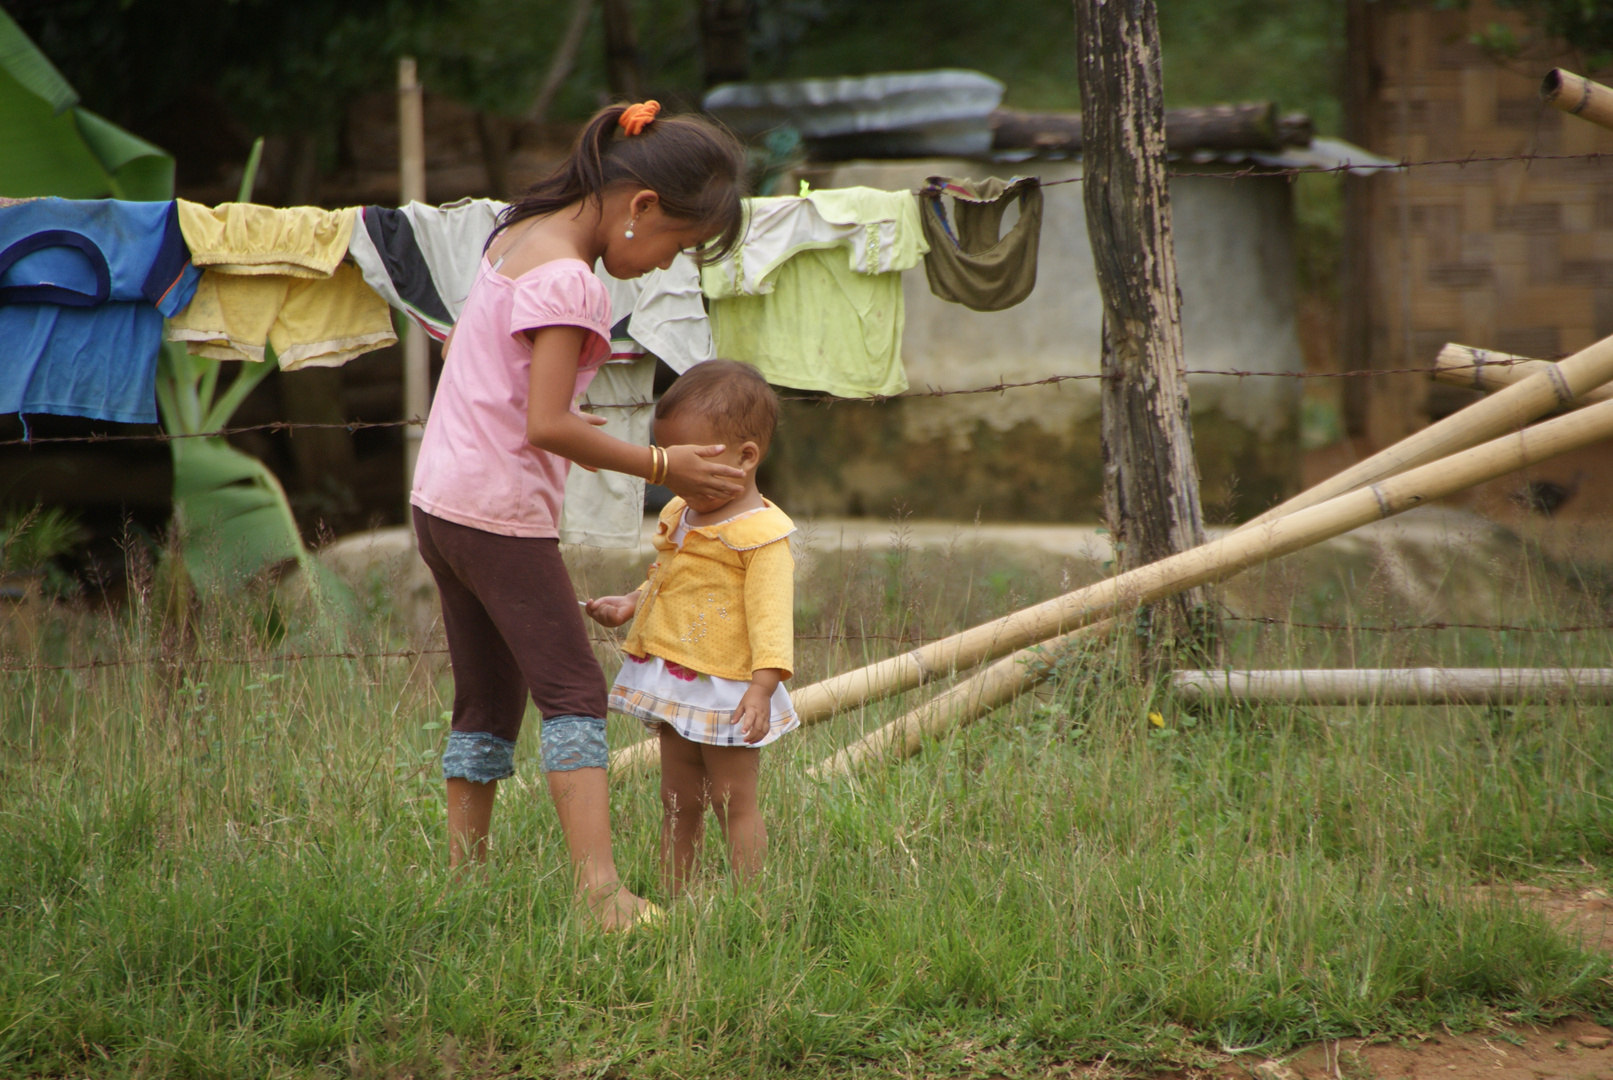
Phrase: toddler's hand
[755,714]
[612,611]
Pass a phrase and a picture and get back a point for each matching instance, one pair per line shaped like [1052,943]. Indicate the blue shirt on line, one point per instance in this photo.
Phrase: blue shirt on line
[84,287]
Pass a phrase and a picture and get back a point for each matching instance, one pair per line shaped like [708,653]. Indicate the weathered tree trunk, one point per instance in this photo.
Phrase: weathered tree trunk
[725,40]
[1151,483]
[623,70]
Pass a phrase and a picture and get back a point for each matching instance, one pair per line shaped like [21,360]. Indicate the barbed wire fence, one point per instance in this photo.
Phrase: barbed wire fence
[1001,386]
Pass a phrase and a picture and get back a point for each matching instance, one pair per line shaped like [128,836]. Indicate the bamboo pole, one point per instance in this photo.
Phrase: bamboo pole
[1578,96]
[1399,686]
[412,188]
[1481,369]
[1003,681]
[1549,388]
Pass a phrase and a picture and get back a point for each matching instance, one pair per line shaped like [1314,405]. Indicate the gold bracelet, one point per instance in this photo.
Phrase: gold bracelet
[660,465]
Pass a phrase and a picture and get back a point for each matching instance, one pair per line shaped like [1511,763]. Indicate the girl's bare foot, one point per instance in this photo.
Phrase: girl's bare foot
[615,908]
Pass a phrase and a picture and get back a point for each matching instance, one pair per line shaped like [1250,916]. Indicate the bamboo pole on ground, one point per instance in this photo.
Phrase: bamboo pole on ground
[1481,369]
[1001,682]
[1399,686]
[412,188]
[1549,388]
[1578,96]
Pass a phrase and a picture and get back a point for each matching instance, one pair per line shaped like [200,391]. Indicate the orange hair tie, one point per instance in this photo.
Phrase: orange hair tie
[635,118]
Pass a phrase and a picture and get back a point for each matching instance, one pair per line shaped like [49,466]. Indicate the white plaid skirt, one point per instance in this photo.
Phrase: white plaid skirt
[697,706]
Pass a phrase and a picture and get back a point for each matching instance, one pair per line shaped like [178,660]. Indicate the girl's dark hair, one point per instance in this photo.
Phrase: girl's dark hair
[695,166]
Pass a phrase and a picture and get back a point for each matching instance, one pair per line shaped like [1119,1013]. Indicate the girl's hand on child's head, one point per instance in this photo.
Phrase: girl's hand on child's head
[612,611]
[754,715]
[691,475]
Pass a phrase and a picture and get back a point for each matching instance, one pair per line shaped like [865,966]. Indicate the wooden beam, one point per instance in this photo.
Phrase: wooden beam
[1578,96]
[1399,686]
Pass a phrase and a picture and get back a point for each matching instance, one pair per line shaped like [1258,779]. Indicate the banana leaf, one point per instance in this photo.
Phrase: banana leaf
[230,512]
[51,145]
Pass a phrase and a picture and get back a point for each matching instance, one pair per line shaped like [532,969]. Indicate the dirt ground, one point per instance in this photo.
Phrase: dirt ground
[1572,1049]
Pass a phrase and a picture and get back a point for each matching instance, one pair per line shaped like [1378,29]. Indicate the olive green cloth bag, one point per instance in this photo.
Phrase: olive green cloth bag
[978,267]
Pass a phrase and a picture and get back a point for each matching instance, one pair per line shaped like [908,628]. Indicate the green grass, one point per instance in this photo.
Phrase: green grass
[215,869]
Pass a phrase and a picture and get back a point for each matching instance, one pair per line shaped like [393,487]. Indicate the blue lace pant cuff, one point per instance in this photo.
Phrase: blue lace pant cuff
[478,757]
[574,742]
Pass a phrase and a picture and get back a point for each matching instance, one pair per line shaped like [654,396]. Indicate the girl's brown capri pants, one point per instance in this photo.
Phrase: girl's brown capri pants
[514,628]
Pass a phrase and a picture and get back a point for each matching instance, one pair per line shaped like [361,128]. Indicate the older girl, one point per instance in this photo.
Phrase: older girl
[504,427]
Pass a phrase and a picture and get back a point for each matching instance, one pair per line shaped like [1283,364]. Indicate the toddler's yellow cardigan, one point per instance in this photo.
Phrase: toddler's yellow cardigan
[724,604]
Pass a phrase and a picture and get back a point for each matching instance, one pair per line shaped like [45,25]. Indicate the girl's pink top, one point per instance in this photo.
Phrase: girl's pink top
[476,467]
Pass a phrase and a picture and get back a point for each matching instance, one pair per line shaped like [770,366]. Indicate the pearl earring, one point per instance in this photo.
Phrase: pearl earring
[630,225]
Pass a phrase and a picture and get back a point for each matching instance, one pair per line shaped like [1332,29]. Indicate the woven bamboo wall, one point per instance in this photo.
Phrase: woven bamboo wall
[1516,256]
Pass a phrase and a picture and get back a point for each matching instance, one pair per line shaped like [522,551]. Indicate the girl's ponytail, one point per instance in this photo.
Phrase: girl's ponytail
[696,167]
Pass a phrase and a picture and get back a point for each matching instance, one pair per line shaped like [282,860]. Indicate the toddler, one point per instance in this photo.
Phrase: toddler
[712,638]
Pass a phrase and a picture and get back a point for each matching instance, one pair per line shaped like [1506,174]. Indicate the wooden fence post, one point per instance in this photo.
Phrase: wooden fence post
[1151,483]
[412,188]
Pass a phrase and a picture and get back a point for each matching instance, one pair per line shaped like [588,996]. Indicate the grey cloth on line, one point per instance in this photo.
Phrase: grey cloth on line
[669,312]
[422,259]
[974,265]
[605,509]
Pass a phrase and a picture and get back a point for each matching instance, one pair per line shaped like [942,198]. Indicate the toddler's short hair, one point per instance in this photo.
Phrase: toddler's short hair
[733,396]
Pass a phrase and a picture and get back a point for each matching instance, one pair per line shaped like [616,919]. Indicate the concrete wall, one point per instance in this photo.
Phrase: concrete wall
[1033,454]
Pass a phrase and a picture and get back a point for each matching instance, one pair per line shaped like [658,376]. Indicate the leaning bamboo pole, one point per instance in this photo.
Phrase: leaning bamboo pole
[1579,96]
[1552,387]
[977,695]
[1399,686]
[1482,369]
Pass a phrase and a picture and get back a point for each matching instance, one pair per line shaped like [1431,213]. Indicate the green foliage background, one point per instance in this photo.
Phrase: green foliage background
[282,68]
